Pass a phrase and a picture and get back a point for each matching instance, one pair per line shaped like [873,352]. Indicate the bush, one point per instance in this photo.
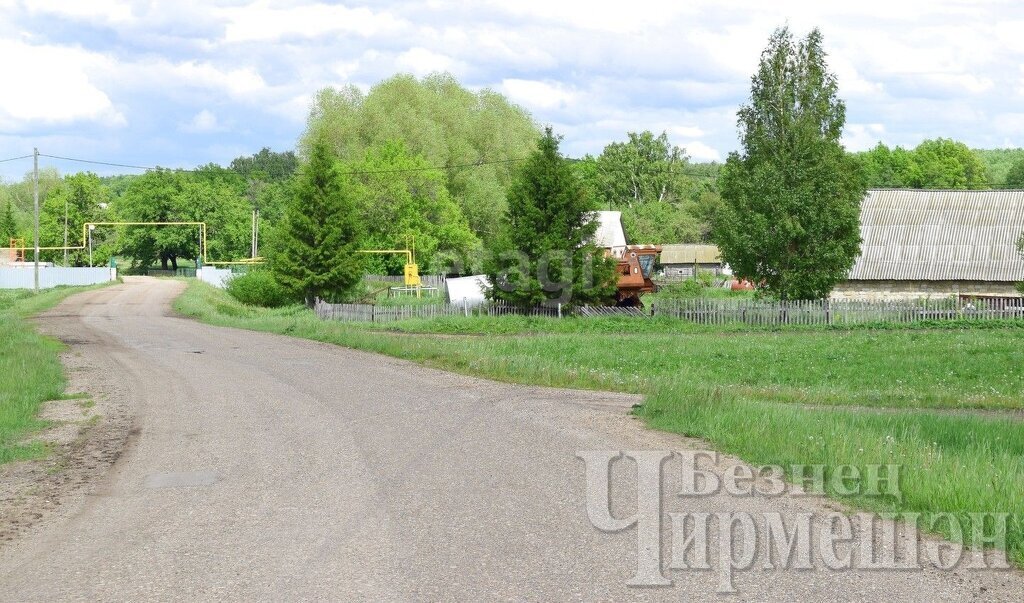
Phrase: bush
[259,288]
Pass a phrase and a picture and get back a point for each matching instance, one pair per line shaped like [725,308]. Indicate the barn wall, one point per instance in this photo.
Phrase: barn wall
[686,270]
[896,290]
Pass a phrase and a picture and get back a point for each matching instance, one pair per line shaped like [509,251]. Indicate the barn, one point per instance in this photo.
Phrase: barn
[680,261]
[935,243]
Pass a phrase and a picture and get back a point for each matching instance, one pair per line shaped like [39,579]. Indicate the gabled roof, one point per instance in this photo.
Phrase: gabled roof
[610,233]
[690,254]
[941,235]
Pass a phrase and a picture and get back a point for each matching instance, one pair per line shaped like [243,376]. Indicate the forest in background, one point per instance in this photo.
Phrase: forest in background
[431,159]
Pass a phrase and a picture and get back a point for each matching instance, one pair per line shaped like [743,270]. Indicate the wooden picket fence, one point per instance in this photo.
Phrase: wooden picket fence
[712,311]
[389,313]
[427,280]
[831,312]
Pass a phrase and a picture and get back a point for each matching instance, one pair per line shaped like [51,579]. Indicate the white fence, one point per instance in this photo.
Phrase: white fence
[218,277]
[23,277]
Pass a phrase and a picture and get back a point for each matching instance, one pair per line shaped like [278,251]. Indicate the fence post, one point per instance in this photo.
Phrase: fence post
[559,309]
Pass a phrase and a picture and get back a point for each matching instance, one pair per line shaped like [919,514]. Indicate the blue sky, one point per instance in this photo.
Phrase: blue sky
[185,83]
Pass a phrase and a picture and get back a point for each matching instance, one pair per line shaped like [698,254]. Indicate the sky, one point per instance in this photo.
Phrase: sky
[185,83]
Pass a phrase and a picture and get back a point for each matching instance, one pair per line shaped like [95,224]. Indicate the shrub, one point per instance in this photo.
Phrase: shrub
[259,288]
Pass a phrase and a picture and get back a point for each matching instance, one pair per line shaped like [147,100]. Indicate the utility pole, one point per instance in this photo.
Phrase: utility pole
[65,230]
[35,194]
[255,187]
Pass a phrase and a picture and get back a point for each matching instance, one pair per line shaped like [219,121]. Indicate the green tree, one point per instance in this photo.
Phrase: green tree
[789,220]
[266,165]
[644,169]
[8,226]
[315,252]
[889,168]
[945,163]
[938,163]
[547,254]
[156,196]
[646,178]
[443,122]
[400,201]
[997,162]
[1015,175]
[70,203]
[210,194]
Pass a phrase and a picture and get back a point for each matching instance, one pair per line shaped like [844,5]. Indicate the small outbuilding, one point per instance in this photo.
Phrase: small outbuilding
[936,243]
[682,261]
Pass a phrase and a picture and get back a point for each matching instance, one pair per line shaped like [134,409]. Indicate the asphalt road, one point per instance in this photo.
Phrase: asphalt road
[268,468]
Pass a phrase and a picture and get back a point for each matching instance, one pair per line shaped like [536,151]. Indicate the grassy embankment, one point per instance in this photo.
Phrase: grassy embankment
[30,369]
[939,402]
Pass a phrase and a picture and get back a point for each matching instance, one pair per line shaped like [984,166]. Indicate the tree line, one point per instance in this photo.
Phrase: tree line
[429,161]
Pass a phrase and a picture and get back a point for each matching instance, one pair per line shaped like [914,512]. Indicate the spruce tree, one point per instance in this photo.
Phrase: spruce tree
[546,254]
[316,250]
[790,218]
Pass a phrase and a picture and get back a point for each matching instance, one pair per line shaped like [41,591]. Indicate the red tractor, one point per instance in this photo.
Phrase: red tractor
[634,268]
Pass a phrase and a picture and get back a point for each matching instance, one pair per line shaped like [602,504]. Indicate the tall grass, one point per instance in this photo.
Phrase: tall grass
[30,369]
[957,463]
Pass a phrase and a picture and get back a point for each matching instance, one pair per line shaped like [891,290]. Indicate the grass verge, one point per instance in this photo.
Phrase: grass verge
[786,397]
[30,369]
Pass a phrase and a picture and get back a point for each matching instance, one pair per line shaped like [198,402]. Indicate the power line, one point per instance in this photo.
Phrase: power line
[351,173]
[434,167]
[16,158]
[124,165]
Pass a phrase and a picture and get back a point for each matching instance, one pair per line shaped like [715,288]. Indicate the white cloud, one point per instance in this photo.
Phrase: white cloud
[202,123]
[616,17]
[596,70]
[699,151]
[259,22]
[182,80]
[420,61]
[861,137]
[295,109]
[104,11]
[49,84]
[538,94]
[684,131]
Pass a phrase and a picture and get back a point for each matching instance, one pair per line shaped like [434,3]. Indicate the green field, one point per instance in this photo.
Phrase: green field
[944,403]
[30,369]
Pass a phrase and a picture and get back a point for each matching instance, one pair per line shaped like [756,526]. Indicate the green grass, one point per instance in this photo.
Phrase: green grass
[30,369]
[784,396]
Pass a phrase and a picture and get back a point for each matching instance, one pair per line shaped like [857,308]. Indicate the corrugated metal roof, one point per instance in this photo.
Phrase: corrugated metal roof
[690,254]
[941,235]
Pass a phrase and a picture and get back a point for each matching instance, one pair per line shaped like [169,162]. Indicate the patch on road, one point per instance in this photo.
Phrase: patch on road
[188,479]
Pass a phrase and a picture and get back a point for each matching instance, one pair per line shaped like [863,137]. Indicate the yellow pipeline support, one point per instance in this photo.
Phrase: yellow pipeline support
[408,253]
[202,239]
[412,270]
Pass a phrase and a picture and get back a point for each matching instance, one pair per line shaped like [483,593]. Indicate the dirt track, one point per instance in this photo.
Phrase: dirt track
[249,466]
